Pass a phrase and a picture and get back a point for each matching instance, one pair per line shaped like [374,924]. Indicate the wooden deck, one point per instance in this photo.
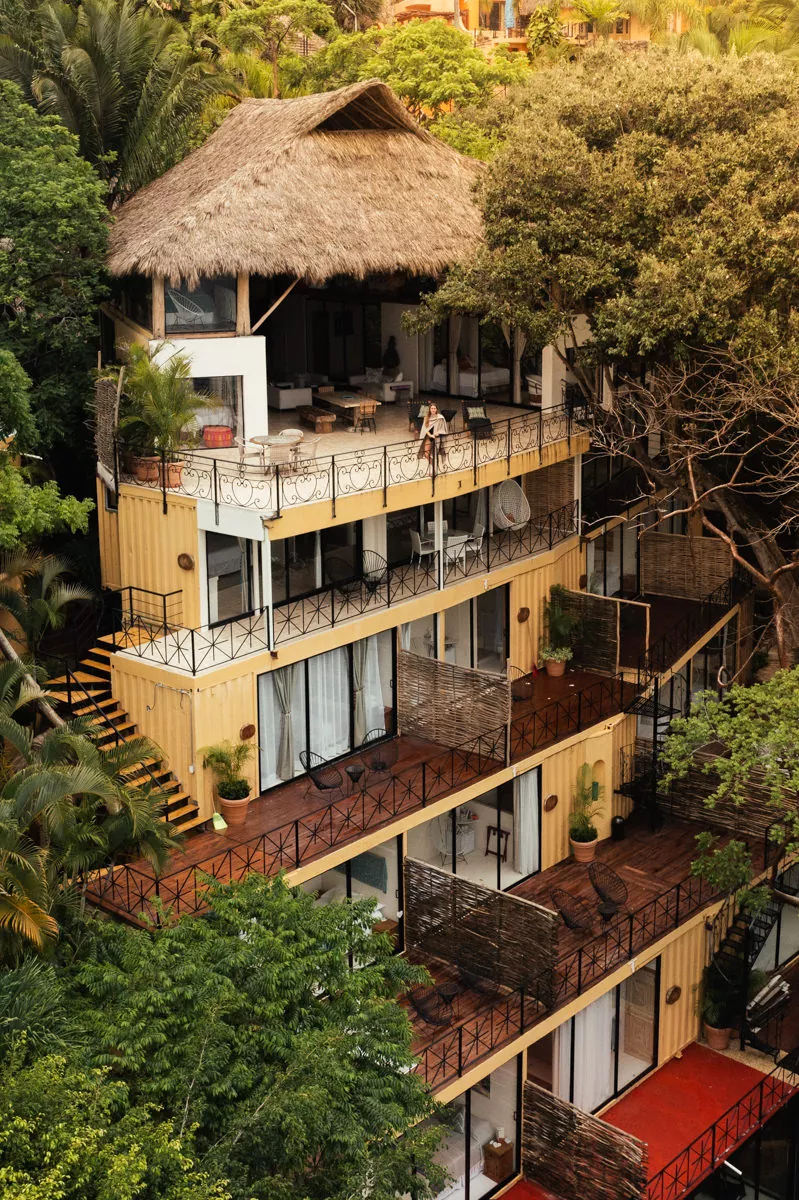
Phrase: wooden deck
[292,824]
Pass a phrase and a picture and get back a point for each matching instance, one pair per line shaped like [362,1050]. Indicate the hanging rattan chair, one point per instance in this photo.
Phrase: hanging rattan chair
[510,508]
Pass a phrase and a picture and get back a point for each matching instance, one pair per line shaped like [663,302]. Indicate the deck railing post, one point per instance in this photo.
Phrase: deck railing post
[215,482]
[385,477]
[333,482]
[296,843]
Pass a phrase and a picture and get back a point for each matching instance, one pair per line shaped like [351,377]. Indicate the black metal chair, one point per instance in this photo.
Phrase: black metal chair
[375,571]
[341,574]
[610,887]
[380,755]
[325,778]
[416,412]
[521,685]
[429,1005]
[575,912]
[476,419]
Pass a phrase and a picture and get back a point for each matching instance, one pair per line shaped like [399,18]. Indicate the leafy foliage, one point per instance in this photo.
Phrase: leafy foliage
[159,400]
[52,221]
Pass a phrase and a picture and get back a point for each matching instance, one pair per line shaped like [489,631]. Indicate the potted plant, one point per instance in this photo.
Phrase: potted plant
[227,760]
[561,626]
[160,404]
[719,1007]
[586,807]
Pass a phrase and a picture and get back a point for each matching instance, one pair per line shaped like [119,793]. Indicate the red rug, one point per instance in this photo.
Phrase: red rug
[680,1101]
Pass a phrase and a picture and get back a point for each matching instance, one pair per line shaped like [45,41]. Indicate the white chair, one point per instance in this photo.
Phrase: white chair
[309,448]
[188,310]
[475,542]
[420,548]
[244,453]
[510,508]
[431,528]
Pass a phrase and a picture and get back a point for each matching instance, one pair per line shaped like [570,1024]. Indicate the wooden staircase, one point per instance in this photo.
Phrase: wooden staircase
[86,692]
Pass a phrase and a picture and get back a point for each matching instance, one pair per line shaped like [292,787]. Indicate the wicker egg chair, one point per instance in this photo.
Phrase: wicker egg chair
[510,508]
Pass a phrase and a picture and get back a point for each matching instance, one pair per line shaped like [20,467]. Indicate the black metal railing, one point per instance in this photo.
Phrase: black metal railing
[716,1143]
[456,1051]
[272,489]
[149,625]
[679,638]
[376,804]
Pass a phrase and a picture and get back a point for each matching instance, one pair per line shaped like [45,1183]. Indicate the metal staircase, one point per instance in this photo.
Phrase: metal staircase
[86,692]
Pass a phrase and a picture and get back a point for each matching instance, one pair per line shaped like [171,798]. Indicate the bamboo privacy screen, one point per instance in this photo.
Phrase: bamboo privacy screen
[686,800]
[549,488]
[106,401]
[577,1156]
[490,934]
[448,704]
[596,644]
[674,564]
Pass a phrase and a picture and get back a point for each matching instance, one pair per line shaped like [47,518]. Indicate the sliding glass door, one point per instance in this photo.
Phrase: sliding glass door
[476,632]
[610,1044]
[328,704]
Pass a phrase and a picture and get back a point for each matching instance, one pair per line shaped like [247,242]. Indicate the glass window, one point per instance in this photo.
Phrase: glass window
[133,296]
[300,564]
[208,307]
[228,564]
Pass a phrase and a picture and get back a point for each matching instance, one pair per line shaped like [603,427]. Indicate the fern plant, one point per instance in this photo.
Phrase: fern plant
[227,760]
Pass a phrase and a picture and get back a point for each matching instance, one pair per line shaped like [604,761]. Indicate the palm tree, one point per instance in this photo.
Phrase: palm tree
[601,14]
[657,15]
[35,593]
[125,81]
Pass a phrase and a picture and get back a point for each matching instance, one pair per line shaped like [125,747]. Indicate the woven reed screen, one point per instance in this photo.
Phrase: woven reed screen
[550,488]
[596,642]
[577,1156]
[686,800]
[105,419]
[676,565]
[448,704]
[489,934]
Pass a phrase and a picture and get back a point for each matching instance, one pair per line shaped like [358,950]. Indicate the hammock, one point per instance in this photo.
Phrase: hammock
[510,509]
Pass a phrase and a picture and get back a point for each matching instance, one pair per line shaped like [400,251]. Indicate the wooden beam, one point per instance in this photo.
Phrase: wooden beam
[242,303]
[277,304]
[159,307]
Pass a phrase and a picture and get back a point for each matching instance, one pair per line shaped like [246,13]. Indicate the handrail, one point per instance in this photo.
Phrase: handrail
[353,472]
[663,653]
[715,1144]
[150,626]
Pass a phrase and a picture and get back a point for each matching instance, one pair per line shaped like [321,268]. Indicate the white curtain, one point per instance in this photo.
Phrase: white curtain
[593,1053]
[271,720]
[329,703]
[526,857]
[360,725]
[517,344]
[283,680]
[405,636]
[373,702]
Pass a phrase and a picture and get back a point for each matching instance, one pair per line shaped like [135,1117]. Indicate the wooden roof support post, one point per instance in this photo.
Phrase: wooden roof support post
[276,304]
[159,306]
[242,304]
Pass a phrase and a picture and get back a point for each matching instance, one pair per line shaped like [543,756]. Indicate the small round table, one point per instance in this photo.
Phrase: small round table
[355,772]
[289,438]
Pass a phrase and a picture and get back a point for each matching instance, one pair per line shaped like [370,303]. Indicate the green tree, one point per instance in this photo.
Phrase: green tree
[601,15]
[270,28]
[544,29]
[430,65]
[124,81]
[69,1132]
[746,739]
[52,246]
[651,201]
[251,1026]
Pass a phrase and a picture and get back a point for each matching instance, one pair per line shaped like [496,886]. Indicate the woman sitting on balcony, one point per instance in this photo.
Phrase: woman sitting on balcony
[434,426]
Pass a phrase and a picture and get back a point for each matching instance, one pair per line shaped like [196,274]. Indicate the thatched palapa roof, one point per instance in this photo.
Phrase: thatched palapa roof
[339,183]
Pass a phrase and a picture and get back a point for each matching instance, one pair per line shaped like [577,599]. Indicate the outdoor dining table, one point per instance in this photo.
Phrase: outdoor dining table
[289,439]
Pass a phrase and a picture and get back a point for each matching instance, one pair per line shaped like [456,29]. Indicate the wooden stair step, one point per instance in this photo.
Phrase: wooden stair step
[82,677]
[108,706]
[194,823]
[186,810]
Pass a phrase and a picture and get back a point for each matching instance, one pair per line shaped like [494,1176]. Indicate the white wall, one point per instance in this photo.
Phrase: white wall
[244,356]
[553,370]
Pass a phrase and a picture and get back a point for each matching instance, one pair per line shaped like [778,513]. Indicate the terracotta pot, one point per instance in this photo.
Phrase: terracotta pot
[554,668]
[173,473]
[717,1039]
[583,851]
[235,811]
[145,469]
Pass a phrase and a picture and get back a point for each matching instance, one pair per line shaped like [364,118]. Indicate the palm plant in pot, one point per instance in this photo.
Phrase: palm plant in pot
[586,807]
[561,626]
[160,405]
[227,760]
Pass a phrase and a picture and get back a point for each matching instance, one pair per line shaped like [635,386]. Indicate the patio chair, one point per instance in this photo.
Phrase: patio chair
[325,778]
[510,508]
[419,548]
[476,419]
[575,912]
[187,310]
[375,571]
[340,573]
[365,418]
[308,449]
[380,755]
[475,542]
[428,1004]
[610,887]
[244,453]
[521,684]
[431,529]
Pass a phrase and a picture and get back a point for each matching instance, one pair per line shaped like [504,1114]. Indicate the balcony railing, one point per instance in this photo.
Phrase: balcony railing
[150,625]
[291,844]
[663,653]
[708,1151]
[499,1022]
[273,489]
